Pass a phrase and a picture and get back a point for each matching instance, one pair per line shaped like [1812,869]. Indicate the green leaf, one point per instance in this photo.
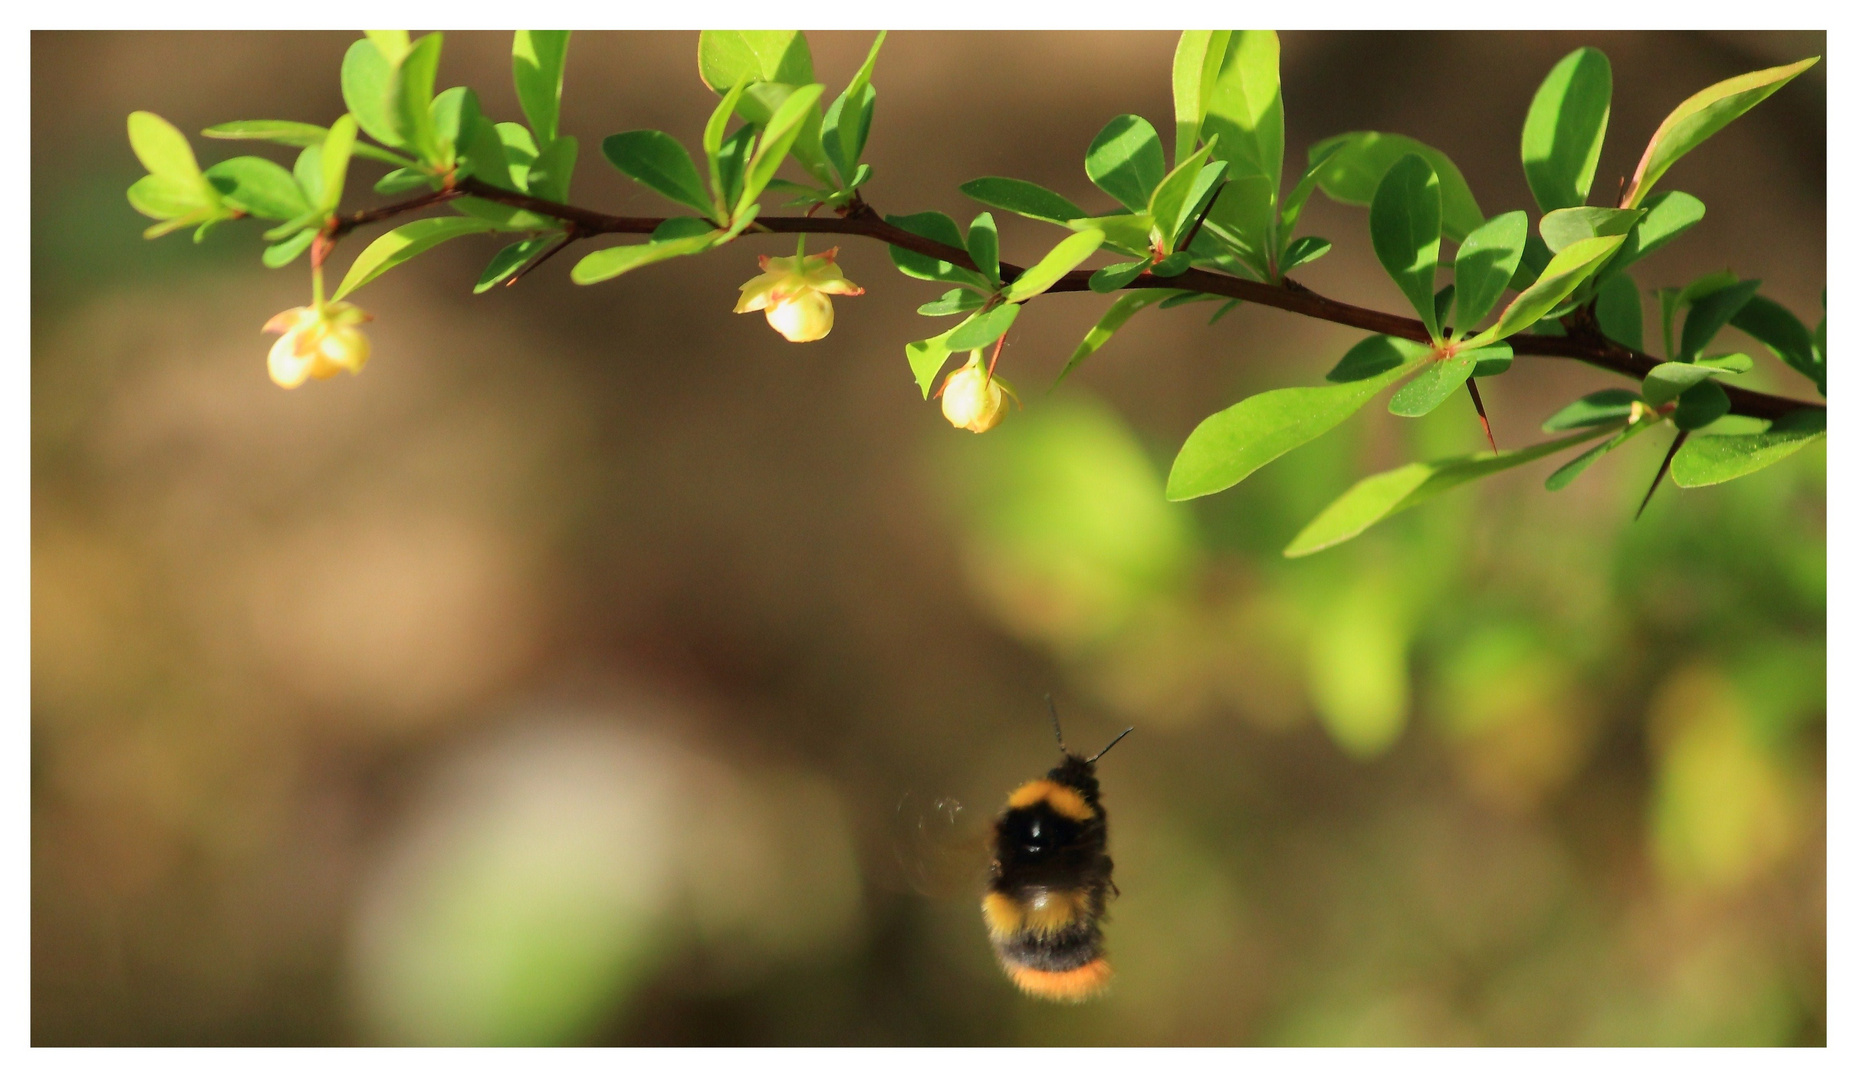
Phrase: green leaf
[1485,265]
[1782,333]
[165,197]
[1061,259]
[1407,232]
[1732,364]
[982,329]
[1564,130]
[1668,215]
[1303,250]
[336,152]
[414,81]
[400,181]
[1230,445]
[1304,188]
[291,133]
[726,58]
[608,263]
[1565,272]
[1111,320]
[1126,161]
[510,259]
[1437,381]
[1377,497]
[367,88]
[308,173]
[952,302]
[261,187]
[847,123]
[1130,233]
[1361,160]
[940,228]
[1599,407]
[1021,197]
[1569,471]
[1195,65]
[455,116]
[982,245]
[283,254]
[656,160]
[411,239]
[1563,228]
[551,172]
[165,152]
[777,139]
[1376,355]
[1243,112]
[1114,278]
[1710,313]
[761,100]
[393,44]
[1699,117]
[1667,381]
[1619,310]
[1172,203]
[1700,405]
[926,358]
[540,61]
[1715,459]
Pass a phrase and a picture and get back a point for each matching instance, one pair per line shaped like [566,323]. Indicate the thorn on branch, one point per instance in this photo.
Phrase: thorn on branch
[568,237]
[1667,459]
[1482,411]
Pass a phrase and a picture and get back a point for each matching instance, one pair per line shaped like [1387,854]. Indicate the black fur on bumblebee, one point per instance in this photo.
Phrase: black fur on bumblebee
[1051,876]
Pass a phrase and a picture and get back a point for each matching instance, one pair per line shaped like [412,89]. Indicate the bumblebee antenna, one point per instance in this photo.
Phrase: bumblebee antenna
[1110,746]
[1050,702]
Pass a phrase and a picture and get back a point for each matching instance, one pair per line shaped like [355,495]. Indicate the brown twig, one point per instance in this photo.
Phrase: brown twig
[1482,411]
[859,219]
[566,238]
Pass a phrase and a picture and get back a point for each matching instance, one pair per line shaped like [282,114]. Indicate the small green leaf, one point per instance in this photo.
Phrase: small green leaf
[940,228]
[847,123]
[1111,320]
[1303,250]
[1406,222]
[1710,313]
[1304,187]
[261,187]
[283,254]
[455,116]
[608,263]
[414,81]
[1361,160]
[656,160]
[1445,297]
[1021,197]
[411,239]
[1699,117]
[1564,130]
[1569,471]
[1129,233]
[1667,381]
[1619,310]
[393,44]
[1563,228]
[1114,278]
[1782,333]
[1732,363]
[926,358]
[1567,270]
[291,133]
[1126,161]
[982,329]
[308,173]
[952,302]
[777,139]
[1195,64]
[728,57]
[1377,497]
[1599,407]
[400,181]
[336,153]
[1061,259]
[1715,459]
[1435,383]
[1485,265]
[1230,445]
[166,198]
[1243,112]
[550,174]
[510,259]
[1171,201]
[1700,405]
[367,88]
[1376,355]
[540,62]
[165,152]
[982,245]
[1668,215]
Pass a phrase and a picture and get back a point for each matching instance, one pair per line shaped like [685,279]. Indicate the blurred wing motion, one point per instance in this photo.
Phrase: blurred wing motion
[941,850]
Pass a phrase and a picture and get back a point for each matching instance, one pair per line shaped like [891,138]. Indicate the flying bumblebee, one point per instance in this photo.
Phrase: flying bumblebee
[1050,880]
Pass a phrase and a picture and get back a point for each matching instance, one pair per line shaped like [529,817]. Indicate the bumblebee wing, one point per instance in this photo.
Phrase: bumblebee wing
[942,850]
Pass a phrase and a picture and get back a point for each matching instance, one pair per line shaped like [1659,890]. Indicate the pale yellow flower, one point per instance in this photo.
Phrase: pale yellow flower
[317,343]
[793,293]
[971,398]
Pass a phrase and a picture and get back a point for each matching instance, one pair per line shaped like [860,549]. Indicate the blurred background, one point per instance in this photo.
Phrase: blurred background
[597,667]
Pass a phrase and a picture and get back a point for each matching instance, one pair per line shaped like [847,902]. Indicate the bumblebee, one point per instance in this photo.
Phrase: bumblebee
[1050,880]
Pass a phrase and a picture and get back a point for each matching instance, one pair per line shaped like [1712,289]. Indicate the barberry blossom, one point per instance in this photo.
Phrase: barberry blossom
[972,398]
[794,293]
[317,343]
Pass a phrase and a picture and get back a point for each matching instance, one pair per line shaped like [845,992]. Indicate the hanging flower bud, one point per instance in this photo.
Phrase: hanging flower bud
[972,398]
[794,294]
[317,342]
